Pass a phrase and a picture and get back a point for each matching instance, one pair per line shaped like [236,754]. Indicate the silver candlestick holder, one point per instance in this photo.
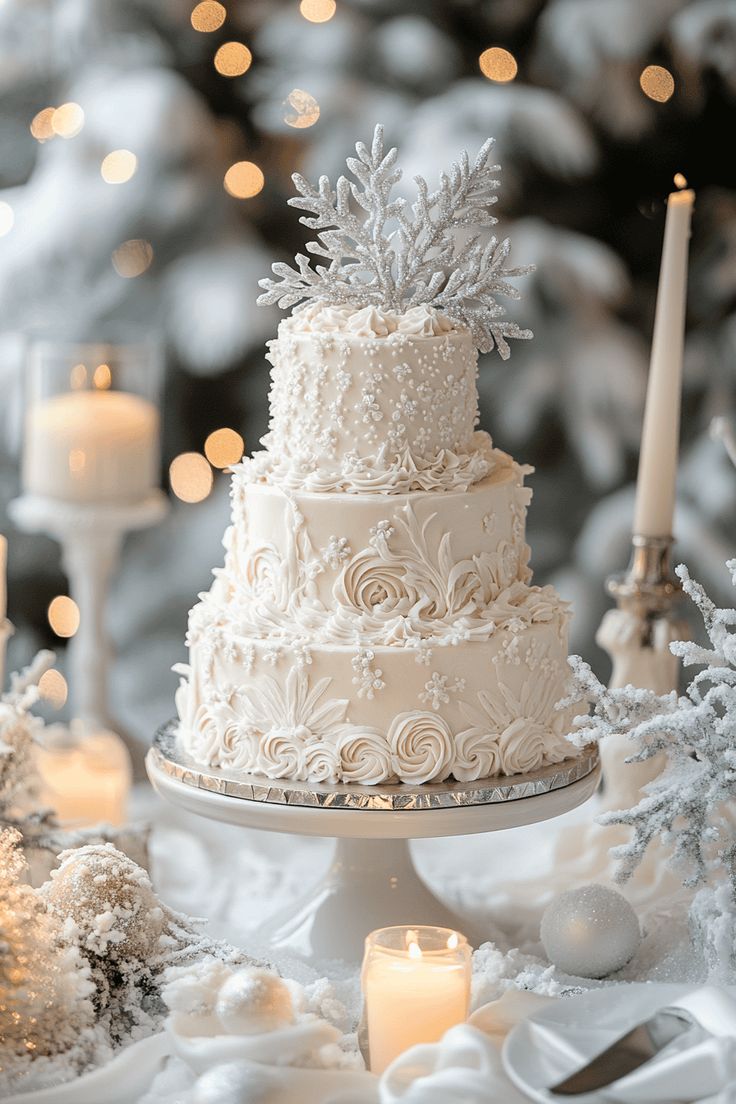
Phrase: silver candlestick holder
[637,636]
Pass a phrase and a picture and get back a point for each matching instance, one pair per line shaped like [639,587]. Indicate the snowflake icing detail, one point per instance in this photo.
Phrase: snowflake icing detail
[367,678]
[338,550]
[438,688]
[402,254]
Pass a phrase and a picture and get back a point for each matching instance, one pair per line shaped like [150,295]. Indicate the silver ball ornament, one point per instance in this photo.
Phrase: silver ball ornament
[252,1001]
[590,932]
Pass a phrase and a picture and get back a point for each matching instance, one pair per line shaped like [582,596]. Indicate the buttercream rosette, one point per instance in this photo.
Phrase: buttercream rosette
[422,747]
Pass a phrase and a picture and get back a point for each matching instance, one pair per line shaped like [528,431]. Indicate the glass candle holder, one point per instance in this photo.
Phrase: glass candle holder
[85,774]
[92,423]
[416,985]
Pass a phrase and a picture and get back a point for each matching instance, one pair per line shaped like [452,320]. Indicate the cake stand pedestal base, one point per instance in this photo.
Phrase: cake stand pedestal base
[372,881]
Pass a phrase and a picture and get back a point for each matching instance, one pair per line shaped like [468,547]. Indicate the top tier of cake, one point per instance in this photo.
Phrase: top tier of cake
[370,389]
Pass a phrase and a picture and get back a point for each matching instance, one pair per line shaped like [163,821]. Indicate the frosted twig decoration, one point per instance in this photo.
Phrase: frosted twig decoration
[400,255]
[685,805]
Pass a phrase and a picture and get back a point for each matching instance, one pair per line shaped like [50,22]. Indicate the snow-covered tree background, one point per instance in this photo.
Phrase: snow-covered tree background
[588,157]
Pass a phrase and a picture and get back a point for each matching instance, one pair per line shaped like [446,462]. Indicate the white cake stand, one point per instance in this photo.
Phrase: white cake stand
[371,882]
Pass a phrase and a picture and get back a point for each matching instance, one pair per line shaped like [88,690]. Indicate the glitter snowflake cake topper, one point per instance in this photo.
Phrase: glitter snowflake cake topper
[395,255]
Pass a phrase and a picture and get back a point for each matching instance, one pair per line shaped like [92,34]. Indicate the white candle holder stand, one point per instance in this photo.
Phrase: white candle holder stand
[91,538]
[371,882]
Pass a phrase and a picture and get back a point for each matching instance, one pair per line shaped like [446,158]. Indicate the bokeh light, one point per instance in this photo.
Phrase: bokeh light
[7,218]
[190,476]
[300,109]
[498,65]
[119,166]
[63,614]
[243,180]
[52,688]
[318,11]
[208,16]
[67,120]
[657,83]
[233,59]
[132,258]
[224,447]
[41,125]
[102,378]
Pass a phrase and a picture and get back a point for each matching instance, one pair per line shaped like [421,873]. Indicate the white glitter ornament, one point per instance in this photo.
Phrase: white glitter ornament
[253,1001]
[590,932]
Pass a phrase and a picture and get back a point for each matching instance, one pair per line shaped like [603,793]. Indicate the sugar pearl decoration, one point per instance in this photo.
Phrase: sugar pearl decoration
[253,1001]
[590,932]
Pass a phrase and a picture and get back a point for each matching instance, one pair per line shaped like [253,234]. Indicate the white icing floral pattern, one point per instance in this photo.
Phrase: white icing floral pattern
[422,747]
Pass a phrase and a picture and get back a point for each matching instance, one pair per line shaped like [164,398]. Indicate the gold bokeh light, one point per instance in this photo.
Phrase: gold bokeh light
[7,218]
[233,59]
[498,65]
[63,614]
[41,125]
[102,378]
[657,83]
[318,11]
[243,180]
[208,16]
[67,120]
[190,476]
[118,166]
[300,109]
[52,688]
[224,447]
[132,258]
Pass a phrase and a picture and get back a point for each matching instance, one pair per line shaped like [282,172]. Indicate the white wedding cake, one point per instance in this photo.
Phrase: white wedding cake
[374,620]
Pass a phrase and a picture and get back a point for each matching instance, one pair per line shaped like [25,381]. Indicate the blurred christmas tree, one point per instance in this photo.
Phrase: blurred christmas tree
[161,201]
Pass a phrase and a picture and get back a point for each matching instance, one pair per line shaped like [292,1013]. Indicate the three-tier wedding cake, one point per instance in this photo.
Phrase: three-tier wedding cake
[374,620]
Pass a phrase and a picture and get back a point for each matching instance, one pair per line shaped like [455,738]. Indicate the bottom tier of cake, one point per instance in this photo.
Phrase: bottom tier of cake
[367,715]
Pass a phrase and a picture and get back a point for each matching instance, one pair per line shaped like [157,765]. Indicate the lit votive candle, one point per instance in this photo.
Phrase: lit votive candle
[416,985]
[91,446]
[85,775]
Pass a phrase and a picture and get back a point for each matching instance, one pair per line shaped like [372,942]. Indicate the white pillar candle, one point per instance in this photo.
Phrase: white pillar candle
[655,492]
[416,985]
[91,446]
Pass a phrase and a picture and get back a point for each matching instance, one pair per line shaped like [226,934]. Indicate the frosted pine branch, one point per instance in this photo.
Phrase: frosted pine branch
[686,806]
[397,255]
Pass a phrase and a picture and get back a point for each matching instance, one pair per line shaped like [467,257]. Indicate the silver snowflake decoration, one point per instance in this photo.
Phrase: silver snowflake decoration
[687,805]
[395,254]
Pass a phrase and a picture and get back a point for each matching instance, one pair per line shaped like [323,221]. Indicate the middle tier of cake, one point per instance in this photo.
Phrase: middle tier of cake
[382,568]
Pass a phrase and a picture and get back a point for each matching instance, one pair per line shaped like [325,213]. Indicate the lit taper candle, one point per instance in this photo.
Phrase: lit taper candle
[655,490]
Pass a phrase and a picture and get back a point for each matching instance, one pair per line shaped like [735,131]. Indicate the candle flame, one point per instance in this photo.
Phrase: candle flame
[77,461]
[452,942]
[680,180]
[78,377]
[415,951]
[102,378]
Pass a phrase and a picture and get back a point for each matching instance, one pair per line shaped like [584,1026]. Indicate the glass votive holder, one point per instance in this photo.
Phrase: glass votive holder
[85,774]
[92,422]
[416,985]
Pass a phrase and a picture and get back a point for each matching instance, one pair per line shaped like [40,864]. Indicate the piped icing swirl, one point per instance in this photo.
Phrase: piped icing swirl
[372,321]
